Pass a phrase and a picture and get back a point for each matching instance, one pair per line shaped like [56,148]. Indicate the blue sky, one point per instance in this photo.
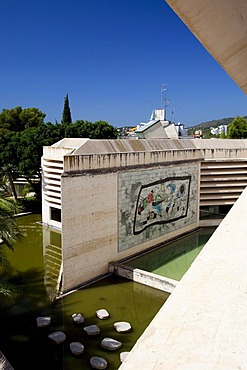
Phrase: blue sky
[111,57]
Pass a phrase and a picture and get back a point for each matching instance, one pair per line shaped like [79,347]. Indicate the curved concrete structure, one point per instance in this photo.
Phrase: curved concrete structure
[202,325]
[221,27]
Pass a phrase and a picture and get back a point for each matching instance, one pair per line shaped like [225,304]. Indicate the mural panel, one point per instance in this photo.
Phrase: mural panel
[154,202]
[161,202]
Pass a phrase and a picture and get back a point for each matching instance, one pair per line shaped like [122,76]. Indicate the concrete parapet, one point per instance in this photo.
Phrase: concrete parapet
[80,163]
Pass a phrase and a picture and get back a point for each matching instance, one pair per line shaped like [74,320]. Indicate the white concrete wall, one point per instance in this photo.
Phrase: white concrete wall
[90,225]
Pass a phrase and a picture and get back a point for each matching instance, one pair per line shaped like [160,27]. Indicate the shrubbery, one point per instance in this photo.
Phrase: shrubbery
[30,204]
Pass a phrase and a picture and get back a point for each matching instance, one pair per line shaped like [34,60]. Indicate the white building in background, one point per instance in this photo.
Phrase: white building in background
[159,127]
[222,129]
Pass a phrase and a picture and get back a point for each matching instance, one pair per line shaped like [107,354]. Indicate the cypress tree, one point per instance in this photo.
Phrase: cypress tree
[66,111]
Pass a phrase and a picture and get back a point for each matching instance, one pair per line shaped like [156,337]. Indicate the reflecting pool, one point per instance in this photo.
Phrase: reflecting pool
[27,347]
[173,259]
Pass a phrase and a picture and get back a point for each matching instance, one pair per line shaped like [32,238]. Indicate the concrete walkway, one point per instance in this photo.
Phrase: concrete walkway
[203,324]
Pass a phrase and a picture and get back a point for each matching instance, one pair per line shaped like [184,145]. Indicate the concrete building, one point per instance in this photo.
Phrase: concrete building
[159,127]
[115,198]
[222,129]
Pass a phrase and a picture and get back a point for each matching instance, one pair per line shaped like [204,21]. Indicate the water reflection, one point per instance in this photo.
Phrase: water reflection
[27,347]
[53,267]
[173,259]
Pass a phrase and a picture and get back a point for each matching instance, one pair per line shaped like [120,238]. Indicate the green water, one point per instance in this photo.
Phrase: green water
[27,347]
[175,258]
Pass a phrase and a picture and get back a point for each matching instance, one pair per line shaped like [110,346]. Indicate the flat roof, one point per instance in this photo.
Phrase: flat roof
[82,146]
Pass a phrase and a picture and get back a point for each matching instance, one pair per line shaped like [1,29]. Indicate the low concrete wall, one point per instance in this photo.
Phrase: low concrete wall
[143,277]
[208,223]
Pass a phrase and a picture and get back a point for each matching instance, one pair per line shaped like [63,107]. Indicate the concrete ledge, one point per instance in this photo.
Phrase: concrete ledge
[143,277]
[202,325]
[210,223]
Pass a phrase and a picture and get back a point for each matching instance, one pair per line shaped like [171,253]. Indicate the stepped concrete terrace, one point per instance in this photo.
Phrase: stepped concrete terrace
[202,325]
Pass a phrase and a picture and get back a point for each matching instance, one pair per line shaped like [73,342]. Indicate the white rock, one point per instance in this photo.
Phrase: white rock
[111,344]
[102,314]
[43,321]
[76,348]
[92,329]
[98,363]
[78,318]
[57,337]
[122,326]
[123,356]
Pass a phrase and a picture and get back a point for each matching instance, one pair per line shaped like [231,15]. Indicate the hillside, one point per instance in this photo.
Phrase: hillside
[214,123]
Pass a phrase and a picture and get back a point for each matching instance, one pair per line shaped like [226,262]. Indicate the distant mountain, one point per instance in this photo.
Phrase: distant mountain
[214,123]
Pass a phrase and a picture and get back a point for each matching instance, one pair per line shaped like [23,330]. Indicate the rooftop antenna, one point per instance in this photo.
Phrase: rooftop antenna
[173,114]
[163,97]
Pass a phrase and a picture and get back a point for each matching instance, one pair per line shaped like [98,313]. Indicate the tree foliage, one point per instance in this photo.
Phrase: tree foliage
[8,229]
[66,118]
[86,129]
[237,129]
[23,133]
[18,119]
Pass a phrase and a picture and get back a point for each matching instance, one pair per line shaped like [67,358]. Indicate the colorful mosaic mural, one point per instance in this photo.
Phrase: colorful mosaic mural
[161,202]
[155,202]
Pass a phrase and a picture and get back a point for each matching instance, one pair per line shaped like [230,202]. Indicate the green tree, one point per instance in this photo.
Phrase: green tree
[237,129]
[10,119]
[18,119]
[96,130]
[23,134]
[8,158]
[9,175]
[8,229]
[30,148]
[66,118]
[103,130]
[32,117]
[80,129]
[9,233]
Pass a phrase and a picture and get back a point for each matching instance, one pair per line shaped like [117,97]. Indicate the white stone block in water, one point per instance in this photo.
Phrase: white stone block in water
[98,363]
[57,337]
[122,326]
[92,329]
[123,356]
[111,344]
[102,314]
[43,321]
[77,348]
[78,318]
